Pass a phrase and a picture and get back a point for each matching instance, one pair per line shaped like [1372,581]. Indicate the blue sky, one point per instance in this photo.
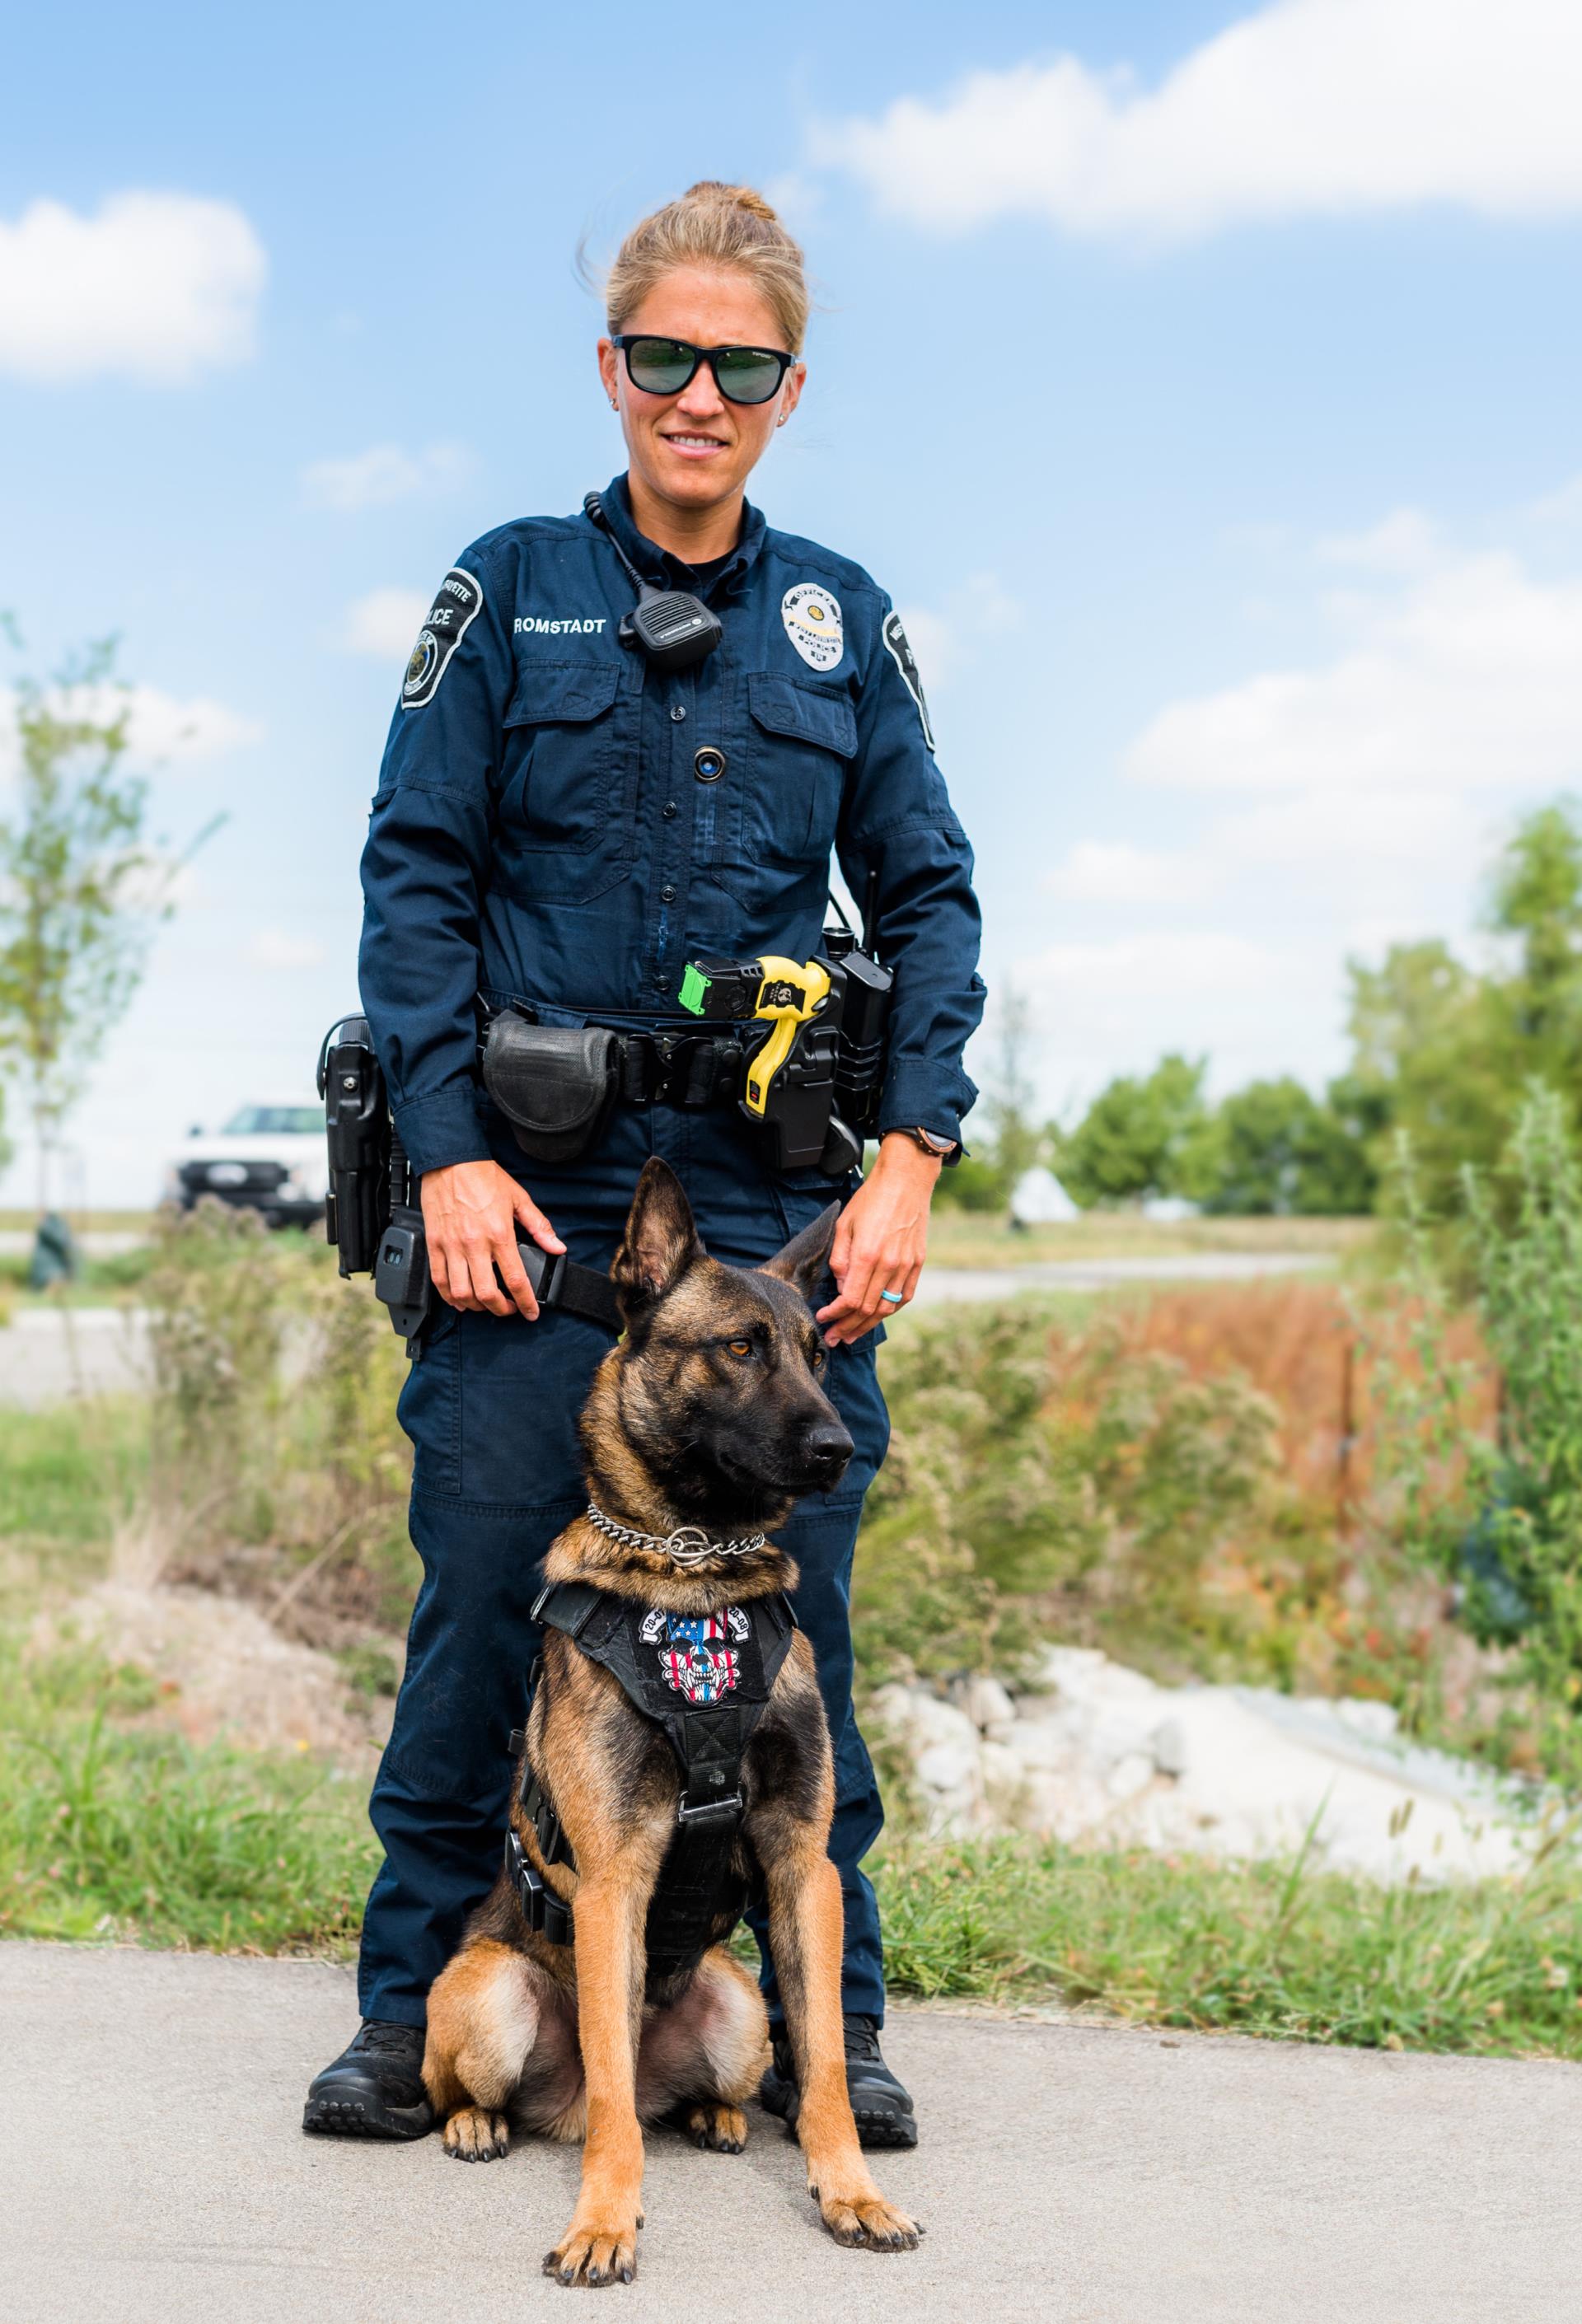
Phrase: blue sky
[1201,384]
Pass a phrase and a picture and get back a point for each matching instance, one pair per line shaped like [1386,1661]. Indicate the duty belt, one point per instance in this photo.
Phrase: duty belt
[708,1699]
[687,1068]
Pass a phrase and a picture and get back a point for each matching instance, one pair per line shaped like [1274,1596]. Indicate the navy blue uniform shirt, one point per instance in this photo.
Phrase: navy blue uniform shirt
[558,824]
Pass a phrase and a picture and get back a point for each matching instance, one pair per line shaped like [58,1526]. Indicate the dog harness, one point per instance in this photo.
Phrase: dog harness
[703,1678]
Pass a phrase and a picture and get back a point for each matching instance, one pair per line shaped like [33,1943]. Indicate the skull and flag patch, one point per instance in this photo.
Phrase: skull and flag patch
[694,1658]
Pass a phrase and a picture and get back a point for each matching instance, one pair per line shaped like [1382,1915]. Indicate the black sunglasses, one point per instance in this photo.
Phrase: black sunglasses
[665,366]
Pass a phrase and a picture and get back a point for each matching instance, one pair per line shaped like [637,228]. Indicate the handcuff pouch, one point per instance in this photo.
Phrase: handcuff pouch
[556,1084]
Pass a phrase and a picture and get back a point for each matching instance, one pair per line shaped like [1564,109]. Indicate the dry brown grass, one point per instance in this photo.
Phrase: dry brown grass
[1299,1343]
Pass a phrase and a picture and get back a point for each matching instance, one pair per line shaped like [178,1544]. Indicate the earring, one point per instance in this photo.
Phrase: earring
[614,403]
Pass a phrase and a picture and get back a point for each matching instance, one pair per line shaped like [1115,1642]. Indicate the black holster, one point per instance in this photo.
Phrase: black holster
[556,1084]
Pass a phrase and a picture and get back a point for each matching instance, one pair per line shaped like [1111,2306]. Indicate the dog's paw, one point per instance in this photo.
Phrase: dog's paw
[867,2222]
[606,2253]
[720,2129]
[473,2134]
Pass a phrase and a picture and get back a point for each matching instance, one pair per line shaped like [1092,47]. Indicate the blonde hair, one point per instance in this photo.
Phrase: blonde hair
[713,225]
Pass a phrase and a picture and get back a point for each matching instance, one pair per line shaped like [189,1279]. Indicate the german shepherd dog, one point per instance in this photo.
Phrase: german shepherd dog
[709,1415]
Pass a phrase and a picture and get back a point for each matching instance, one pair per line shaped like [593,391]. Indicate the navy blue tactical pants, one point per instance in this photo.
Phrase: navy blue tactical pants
[491,1406]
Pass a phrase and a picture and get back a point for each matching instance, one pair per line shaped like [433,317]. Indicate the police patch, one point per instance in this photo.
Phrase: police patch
[455,602]
[906,660]
[812,623]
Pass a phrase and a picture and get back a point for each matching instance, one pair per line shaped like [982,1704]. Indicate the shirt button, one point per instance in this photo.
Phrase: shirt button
[667,894]
[678,710]
[670,809]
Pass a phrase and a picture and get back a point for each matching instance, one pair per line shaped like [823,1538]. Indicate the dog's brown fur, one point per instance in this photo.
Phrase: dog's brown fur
[581,2041]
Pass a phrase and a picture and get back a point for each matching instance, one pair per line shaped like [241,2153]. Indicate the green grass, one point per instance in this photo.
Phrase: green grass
[114,1829]
[1272,1950]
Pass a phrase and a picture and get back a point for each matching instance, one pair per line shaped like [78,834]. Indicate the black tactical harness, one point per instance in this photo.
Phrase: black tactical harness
[665,1668]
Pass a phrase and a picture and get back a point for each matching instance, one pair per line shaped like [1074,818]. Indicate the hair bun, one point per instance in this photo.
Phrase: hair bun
[718,227]
[741,198]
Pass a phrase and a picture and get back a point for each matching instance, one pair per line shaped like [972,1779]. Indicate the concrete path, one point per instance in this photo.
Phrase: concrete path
[153,2171]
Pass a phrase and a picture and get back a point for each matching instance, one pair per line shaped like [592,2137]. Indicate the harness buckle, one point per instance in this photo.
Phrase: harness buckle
[710,1811]
[546,1913]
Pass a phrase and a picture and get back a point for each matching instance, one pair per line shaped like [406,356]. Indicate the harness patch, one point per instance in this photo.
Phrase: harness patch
[689,1661]
[906,660]
[456,603]
[813,625]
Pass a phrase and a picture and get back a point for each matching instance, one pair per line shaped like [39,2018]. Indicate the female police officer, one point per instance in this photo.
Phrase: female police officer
[560,826]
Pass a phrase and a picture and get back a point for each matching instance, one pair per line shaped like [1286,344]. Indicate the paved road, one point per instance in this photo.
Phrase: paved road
[153,2173]
[105,1350]
[946,1283]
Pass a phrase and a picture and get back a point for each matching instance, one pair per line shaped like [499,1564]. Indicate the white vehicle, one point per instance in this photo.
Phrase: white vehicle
[270,1158]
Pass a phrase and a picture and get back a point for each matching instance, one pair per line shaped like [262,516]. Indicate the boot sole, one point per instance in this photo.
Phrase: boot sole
[366,2117]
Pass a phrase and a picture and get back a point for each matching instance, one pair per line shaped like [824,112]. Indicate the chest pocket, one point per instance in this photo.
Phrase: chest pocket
[565,825]
[778,823]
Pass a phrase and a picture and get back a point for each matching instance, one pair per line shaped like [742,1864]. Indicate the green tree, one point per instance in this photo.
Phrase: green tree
[1445,1053]
[1274,1148]
[1130,1143]
[81,890]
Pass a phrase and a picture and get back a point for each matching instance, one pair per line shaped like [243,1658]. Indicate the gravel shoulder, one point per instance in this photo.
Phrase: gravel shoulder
[154,2169]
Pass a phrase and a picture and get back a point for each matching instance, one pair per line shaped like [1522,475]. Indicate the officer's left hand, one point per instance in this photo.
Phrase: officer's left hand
[881,1241]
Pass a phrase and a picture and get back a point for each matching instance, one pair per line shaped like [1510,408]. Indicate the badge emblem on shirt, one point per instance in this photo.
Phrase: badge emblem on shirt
[812,623]
[689,1658]
[456,602]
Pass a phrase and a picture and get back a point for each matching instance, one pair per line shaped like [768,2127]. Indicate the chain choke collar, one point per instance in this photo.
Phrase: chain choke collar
[689,1546]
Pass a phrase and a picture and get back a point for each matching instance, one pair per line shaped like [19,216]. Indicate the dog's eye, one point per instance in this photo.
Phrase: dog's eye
[740,1347]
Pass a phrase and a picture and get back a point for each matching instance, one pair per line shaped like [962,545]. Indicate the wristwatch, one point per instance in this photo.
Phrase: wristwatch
[937,1146]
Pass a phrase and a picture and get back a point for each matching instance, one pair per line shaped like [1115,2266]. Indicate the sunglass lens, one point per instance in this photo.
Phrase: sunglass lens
[660,366]
[747,375]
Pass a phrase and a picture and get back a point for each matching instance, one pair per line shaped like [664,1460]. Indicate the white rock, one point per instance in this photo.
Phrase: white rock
[948,1767]
[1132,1773]
[987,1704]
[1169,1747]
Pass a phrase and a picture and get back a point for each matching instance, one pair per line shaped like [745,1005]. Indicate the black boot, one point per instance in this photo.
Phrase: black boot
[882,2108]
[375,2089]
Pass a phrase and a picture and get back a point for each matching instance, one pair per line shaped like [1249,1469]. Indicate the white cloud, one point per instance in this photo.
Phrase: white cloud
[1098,871]
[1468,679]
[161,730]
[1319,813]
[154,287]
[945,637]
[278,949]
[1144,967]
[1307,109]
[384,474]
[1404,541]
[385,623]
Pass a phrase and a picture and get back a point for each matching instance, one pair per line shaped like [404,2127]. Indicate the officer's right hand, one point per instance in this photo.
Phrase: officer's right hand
[470,1216]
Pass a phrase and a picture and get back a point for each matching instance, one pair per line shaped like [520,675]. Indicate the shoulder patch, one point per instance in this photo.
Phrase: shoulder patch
[906,660]
[455,602]
[813,625]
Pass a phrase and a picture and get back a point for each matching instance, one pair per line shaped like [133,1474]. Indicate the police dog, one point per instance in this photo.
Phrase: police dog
[710,1414]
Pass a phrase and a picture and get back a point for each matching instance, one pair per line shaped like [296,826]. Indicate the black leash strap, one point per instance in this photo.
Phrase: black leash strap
[559,1281]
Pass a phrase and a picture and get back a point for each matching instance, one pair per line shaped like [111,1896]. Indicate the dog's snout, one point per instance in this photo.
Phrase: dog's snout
[827,1449]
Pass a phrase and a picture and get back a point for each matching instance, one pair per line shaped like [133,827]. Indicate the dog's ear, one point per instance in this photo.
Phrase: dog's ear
[805,1261]
[660,1242]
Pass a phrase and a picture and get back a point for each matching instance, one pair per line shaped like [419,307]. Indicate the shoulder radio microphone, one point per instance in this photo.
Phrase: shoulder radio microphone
[670,628]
